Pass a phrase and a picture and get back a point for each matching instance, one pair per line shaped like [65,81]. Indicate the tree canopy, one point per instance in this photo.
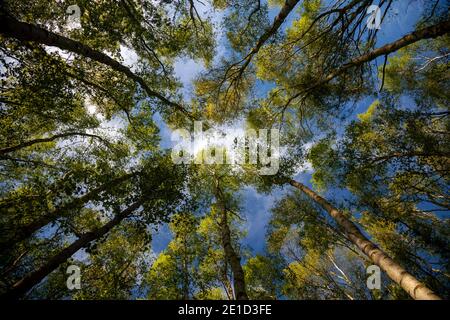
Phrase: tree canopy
[352,120]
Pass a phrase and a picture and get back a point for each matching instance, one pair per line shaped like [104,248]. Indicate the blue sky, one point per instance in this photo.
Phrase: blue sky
[256,207]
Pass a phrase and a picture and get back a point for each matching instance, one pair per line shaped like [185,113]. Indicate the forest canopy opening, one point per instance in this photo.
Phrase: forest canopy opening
[224,150]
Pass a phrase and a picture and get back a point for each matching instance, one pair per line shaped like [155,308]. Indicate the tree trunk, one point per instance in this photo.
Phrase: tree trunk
[226,283]
[230,254]
[48,139]
[24,232]
[431,32]
[22,286]
[278,21]
[233,259]
[13,28]
[408,282]
[185,270]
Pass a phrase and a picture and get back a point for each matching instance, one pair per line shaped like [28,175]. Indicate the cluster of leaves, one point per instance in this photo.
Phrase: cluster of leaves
[82,167]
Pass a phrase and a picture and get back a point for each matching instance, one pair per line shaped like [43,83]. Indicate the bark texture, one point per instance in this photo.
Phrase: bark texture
[13,28]
[48,139]
[22,286]
[431,32]
[230,254]
[25,231]
[397,273]
[278,21]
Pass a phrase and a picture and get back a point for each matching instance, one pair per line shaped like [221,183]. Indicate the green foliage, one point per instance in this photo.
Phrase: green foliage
[80,142]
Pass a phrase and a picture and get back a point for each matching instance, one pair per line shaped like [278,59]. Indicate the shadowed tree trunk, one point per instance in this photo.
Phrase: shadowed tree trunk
[185,270]
[48,139]
[230,254]
[398,274]
[24,232]
[278,21]
[13,28]
[233,259]
[431,32]
[22,286]
[226,282]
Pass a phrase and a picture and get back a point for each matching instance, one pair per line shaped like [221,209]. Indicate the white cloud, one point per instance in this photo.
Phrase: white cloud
[130,57]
